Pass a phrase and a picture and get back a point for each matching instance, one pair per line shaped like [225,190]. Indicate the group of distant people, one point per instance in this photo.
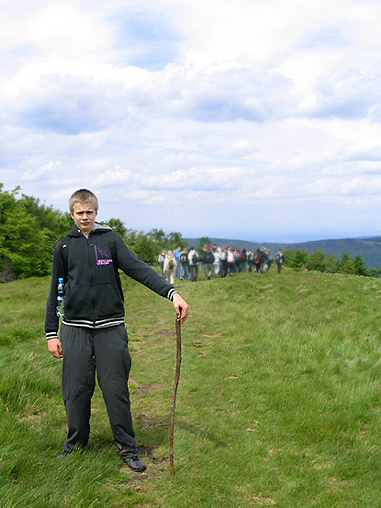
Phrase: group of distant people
[223,261]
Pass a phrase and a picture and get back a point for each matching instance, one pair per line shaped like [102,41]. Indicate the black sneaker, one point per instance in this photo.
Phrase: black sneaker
[135,463]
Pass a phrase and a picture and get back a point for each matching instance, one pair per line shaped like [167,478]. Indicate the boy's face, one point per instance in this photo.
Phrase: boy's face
[84,216]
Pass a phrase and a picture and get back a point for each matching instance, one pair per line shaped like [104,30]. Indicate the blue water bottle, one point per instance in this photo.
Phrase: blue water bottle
[60,297]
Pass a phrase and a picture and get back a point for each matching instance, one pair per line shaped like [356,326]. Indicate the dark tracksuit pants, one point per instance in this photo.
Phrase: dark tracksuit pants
[193,269]
[106,351]
[224,268]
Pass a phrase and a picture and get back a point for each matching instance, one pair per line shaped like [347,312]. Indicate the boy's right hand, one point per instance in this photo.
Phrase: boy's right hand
[55,347]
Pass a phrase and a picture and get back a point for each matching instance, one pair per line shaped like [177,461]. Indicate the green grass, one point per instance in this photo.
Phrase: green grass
[278,402]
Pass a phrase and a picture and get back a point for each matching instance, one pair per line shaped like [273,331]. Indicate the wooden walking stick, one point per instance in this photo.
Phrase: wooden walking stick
[173,402]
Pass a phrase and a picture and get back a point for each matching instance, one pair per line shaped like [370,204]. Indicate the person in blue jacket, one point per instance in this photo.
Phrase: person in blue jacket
[92,333]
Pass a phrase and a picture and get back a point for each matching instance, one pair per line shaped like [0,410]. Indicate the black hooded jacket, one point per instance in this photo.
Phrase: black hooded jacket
[89,267]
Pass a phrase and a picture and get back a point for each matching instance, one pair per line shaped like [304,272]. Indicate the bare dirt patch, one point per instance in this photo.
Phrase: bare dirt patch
[150,387]
[155,466]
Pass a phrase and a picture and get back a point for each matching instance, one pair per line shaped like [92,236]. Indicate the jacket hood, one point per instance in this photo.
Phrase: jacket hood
[98,228]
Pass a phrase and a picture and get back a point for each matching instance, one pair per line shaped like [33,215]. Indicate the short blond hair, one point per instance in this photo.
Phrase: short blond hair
[83,196]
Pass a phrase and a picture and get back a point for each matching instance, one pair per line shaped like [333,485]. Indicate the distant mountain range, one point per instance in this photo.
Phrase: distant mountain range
[368,248]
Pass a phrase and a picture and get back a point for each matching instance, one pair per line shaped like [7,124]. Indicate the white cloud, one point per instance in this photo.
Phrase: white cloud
[366,150]
[242,147]
[46,172]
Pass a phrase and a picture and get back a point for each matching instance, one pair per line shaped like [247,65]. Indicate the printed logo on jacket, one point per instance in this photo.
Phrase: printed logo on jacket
[102,256]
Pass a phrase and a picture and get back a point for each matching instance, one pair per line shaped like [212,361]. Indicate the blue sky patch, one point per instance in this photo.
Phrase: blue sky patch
[146,39]
[331,37]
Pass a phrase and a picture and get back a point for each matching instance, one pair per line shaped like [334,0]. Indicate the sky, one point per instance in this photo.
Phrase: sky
[248,119]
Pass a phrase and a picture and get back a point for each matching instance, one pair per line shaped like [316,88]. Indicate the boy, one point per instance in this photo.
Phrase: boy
[92,332]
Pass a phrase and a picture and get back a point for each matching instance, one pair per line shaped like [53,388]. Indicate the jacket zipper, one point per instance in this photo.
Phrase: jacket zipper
[89,251]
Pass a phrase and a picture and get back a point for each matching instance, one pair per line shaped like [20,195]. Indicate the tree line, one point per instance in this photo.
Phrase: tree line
[317,260]
[29,231]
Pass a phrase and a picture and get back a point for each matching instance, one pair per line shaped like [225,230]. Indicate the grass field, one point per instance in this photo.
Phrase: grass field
[278,402]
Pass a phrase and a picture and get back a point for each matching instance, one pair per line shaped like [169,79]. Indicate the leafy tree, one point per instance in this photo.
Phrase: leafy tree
[7,205]
[296,259]
[46,216]
[130,237]
[316,261]
[27,247]
[289,255]
[301,258]
[7,201]
[117,226]
[330,263]
[158,236]
[346,264]
[28,233]
[175,239]
[359,265]
[54,223]
[204,240]
[145,249]
[374,272]
[143,245]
